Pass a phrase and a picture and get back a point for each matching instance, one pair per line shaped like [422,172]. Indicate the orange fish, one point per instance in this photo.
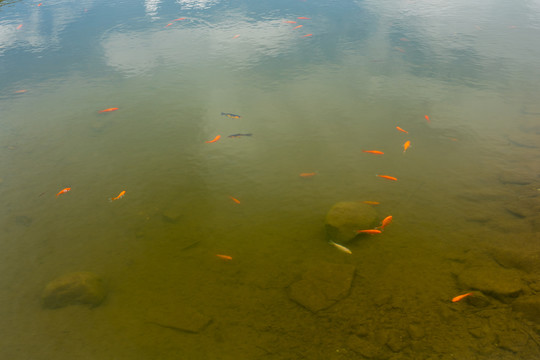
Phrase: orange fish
[214,139]
[290,22]
[108,110]
[427,118]
[179,19]
[63,191]
[307,174]
[39,4]
[235,200]
[404,39]
[308,35]
[236,36]
[371,202]
[406,145]
[387,220]
[370,231]
[457,298]
[20,26]
[376,152]
[387,177]
[121,195]
[400,129]
[169,24]
[297,27]
[303,18]
[225,257]
[20,91]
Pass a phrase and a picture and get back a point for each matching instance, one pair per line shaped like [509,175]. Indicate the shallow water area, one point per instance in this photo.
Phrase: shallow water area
[463,81]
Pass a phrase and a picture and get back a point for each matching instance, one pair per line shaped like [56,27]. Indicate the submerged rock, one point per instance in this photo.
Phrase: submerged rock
[493,280]
[529,306]
[345,217]
[323,286]
[83,288]
[177,317]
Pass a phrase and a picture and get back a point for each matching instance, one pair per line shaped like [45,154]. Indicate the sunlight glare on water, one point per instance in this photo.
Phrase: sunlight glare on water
[308,86]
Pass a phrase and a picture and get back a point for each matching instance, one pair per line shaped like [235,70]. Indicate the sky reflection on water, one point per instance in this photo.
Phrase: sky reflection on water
[312,104]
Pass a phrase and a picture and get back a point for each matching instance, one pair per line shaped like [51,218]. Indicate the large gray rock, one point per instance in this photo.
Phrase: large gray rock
[345,217]
[83,287]
[323,286]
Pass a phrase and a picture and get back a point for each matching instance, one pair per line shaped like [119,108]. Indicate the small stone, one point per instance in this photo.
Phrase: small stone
[524,140]
[363,347]
[529,306]
[23,220]
[178,317]
[513,341]
[323,286]
[171,216]
[477,299]
[83,287]
[397,341]
[515,177]
[415,332]
[477,332]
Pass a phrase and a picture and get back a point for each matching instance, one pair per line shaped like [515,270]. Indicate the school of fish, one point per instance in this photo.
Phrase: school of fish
[378,230]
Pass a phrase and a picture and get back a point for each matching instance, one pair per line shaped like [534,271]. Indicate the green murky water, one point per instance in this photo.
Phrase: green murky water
[465,207]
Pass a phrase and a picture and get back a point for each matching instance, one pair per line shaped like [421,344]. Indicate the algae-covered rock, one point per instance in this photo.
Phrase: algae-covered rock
[345,217]
[83,287]
[493,280]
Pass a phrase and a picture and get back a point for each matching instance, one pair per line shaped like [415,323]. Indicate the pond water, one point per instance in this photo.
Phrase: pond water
[313,84]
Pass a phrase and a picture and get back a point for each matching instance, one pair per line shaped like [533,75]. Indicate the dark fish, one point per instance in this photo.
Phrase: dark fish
[238,135]
[232,116]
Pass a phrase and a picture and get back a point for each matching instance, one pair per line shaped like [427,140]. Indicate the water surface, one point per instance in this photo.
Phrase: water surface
[466,199]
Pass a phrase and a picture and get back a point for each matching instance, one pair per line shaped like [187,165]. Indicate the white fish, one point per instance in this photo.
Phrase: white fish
[341,247]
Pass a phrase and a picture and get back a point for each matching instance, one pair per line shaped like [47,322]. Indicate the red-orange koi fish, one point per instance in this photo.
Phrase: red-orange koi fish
[371,202]
[108,110]
[308,35]
[214,139]
[370,231]
[308,174]
[406,145]
[400,129]
[289,22]
[297,27]
[387,177]
[121,195]
[224,257]
[387,220]
[63,191]
[303,18]
[427,118]
[20,26]
[235,200]
[376,152]
[457,298]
